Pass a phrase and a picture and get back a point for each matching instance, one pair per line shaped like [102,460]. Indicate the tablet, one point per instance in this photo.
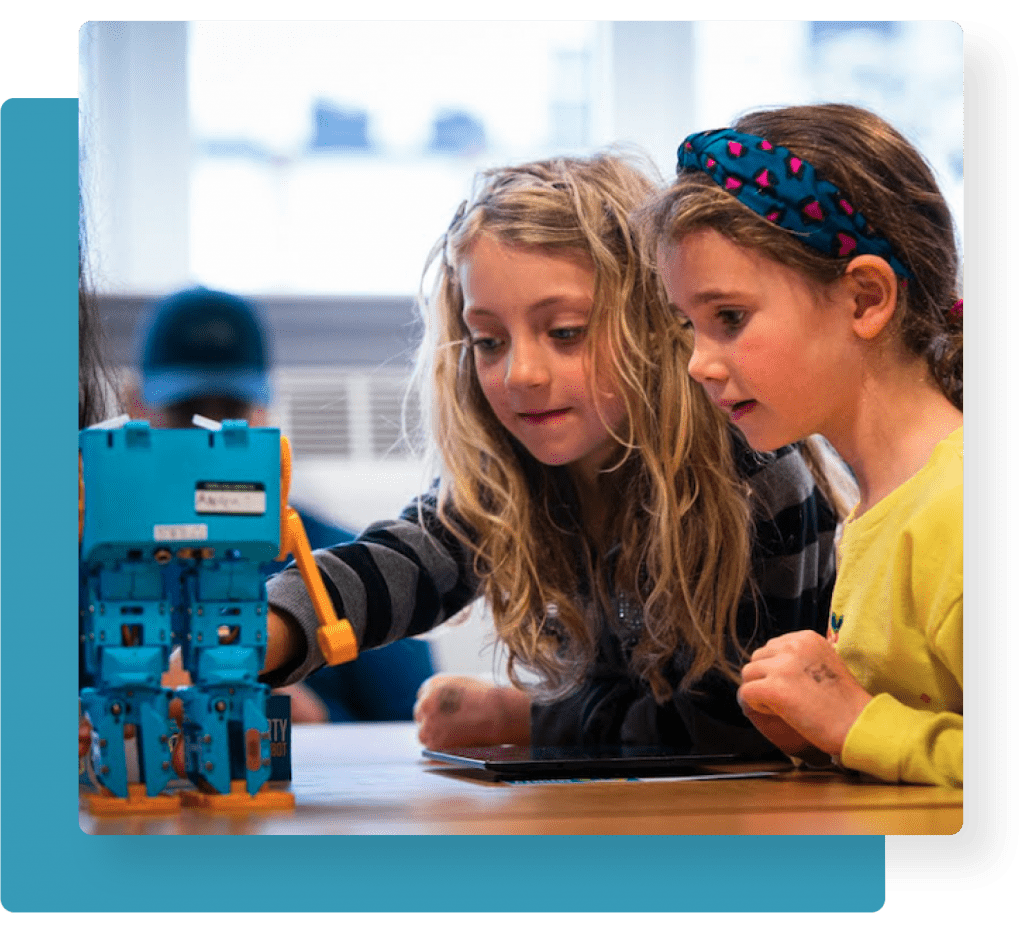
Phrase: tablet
[537,763]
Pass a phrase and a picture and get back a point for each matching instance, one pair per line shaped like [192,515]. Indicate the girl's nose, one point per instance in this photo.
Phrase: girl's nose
[526,367]
[705,364]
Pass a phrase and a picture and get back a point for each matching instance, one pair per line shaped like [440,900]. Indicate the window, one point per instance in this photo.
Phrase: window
[328,157]
[325,158]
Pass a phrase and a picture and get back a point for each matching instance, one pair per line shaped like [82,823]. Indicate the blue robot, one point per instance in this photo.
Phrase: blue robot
[176,527]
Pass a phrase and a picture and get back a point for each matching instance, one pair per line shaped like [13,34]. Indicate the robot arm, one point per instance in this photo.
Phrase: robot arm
[336,638]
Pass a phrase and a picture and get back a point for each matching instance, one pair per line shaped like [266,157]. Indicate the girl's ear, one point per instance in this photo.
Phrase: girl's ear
[873,286]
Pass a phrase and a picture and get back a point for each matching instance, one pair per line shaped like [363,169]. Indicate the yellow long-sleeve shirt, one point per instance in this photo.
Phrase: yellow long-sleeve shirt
[897,620]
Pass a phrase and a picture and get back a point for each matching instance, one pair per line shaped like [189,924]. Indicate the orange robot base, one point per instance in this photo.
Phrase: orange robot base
[238,799]
[104,804]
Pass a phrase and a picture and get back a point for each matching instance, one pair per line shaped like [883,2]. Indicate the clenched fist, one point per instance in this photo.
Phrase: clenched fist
[452,710]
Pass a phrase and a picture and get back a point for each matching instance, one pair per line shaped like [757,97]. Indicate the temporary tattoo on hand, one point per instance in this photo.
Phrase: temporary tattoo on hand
[821,672]
[450,700]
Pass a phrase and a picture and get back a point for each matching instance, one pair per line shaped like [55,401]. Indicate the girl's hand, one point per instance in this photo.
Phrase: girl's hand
[452,710]
[778,731]
[799,679]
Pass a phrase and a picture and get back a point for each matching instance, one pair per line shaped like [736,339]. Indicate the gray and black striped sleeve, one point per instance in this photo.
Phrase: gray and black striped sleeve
[794,559]
[398,578]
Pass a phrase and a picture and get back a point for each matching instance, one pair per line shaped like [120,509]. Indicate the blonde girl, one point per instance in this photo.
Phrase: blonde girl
[627,543]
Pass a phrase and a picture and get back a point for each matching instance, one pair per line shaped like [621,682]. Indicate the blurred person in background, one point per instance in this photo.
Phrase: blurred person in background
[207,352]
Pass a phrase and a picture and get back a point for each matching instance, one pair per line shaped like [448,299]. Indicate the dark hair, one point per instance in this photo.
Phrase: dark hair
[886,180]
[90,395]
[96,389]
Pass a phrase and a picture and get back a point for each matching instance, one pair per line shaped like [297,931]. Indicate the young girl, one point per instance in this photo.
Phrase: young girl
[628,544]
[811,254]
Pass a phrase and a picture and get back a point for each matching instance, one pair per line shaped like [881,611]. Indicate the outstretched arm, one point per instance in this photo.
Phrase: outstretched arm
[397,579]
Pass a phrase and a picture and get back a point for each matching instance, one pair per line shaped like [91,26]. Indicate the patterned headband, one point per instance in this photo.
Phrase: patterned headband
[786,191]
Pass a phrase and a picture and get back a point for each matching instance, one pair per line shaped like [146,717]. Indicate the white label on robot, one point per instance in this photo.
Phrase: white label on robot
[231,498]
[180,532]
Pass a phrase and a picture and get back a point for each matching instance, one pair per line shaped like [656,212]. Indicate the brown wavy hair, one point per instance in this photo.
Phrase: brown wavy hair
[678,540]
[881,173]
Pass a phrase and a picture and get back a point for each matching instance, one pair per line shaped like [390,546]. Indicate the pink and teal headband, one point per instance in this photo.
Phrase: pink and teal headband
[787,191]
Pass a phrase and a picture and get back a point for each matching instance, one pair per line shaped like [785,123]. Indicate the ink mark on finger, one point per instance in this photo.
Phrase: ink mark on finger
[450,700]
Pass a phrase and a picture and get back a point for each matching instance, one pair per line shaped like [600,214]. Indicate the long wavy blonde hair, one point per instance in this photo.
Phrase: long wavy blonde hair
[678,539]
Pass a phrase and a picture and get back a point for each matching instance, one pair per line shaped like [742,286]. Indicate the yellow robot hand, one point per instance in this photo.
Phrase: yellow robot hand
[336,636]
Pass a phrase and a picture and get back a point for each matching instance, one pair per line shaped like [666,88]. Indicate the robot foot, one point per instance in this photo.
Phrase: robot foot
[103,803]
[239,800]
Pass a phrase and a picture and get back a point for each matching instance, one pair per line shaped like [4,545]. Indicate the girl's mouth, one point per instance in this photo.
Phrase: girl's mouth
[740,409]
[540,417]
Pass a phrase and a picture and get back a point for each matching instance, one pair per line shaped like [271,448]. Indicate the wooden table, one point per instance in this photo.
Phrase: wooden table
[369,778]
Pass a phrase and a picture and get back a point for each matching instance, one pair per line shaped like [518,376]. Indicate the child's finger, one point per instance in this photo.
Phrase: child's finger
[751,697]
[754,670]
[768,650]
[787,643]
[779,733]
[749,672]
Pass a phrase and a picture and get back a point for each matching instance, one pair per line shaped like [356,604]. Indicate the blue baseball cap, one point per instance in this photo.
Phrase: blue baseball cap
[204,343]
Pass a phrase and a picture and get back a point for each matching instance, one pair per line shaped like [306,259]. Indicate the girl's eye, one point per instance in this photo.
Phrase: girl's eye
[568,333]
[485,344]
[732,319]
